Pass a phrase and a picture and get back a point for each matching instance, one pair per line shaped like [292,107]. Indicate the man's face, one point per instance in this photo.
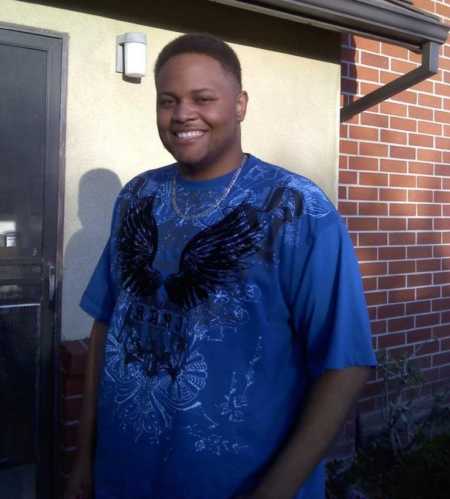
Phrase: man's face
[199,110]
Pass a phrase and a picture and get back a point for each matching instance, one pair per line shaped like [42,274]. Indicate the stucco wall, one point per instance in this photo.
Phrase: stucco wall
[111,134]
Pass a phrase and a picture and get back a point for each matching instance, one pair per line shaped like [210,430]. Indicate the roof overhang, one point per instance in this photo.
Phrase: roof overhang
[392,21]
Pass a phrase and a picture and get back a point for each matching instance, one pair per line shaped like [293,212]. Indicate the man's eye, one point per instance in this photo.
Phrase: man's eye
[204,100]
[166,102]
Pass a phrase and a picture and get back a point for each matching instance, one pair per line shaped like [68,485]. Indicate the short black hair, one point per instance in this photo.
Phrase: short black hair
[201,43]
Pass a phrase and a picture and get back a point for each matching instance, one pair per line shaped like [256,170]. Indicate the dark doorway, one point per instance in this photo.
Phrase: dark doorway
[31,192]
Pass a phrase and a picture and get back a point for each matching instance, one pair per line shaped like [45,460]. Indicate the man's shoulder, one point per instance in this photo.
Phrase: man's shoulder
[315,202]
[146,181]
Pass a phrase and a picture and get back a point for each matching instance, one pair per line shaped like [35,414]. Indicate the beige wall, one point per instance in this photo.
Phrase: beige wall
[111,135]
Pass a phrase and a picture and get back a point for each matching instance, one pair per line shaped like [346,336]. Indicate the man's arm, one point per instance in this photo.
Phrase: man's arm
[81,478]
[329,401]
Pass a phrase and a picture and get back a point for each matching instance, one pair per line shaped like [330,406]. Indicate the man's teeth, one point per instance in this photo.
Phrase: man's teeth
[189,135]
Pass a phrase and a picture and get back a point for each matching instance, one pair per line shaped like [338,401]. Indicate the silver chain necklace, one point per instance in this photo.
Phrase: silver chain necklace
[207,211]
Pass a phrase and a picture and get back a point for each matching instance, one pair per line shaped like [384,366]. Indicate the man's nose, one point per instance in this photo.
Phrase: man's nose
[184,111]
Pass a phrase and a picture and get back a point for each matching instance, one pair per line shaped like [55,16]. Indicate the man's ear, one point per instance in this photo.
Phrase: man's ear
[241,105]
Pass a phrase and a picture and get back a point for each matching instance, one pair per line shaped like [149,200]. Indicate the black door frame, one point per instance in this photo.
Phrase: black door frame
[49,469]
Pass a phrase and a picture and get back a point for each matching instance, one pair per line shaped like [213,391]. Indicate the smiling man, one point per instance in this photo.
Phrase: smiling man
[231,334]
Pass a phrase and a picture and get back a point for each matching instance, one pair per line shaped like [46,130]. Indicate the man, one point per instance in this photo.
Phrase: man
[231,334]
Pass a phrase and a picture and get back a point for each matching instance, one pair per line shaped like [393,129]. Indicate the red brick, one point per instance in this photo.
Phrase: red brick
[348,208]
[430,127]
[343,162]
[373,208]
[404,267]
[428,293]
[404,209]
[378,327]
[366,254]
[445,263]
[361,223]
[377,298]
[73,385]
[402,66]
[428,320]
[391,340]
[443,170]
[388,76]
[443,10]
[401,295]
[420,168]
[420,223]
[442,143]
[349,86]
[429,155]
[428,210]
[445,291]
[406,96]
[442,331]
[368,74]
[367,88]
[441,304]
[429,238]
[403,152]
[400,324]
[441,358]
[428,265]
[420,113]
[393,195]
[394,108]
[374,179]
[348,147]
[394,51]
[442,117]
[373,149]
[442,89]
[393,166]
[419,251]
[348,177]
[392,282]
[357,163]
[421,140]
[393,136]
[402,181]
[442,196]
[363,193]
[342,192]
[418,307]
[441,278]
[369,283]
[373,268]
[429,182]
[377,61]
[442,224]
[394,253]
[363,133]
[404,124]
[418,335]
[367,44]
[420,196]
[372,119]
[445,238]
[392,224]
[402,238]
[348,54]
[424,86]
[387,311]
[430,101]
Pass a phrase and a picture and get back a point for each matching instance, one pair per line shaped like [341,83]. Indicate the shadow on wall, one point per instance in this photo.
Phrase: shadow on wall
[97,192]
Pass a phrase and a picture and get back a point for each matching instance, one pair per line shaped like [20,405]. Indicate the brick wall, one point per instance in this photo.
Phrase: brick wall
[394,191]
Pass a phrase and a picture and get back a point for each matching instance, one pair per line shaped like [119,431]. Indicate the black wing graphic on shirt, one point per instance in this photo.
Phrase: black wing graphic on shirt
[137,247]
[215,257]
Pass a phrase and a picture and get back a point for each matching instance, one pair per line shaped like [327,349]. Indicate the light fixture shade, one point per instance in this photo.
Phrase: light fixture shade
[131,54]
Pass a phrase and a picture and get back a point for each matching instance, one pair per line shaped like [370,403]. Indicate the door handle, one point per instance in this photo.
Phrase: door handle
[51,284]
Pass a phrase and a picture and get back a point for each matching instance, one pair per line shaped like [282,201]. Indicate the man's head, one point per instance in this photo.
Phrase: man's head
[200,104]
[204,44]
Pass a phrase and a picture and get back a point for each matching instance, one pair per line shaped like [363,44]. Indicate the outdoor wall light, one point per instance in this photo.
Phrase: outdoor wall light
[131,54]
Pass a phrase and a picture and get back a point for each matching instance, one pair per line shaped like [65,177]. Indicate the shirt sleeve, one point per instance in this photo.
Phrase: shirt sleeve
[98,299]
[329,307]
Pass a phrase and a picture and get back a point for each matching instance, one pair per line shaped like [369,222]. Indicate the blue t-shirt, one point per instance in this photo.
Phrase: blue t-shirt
[223,306]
